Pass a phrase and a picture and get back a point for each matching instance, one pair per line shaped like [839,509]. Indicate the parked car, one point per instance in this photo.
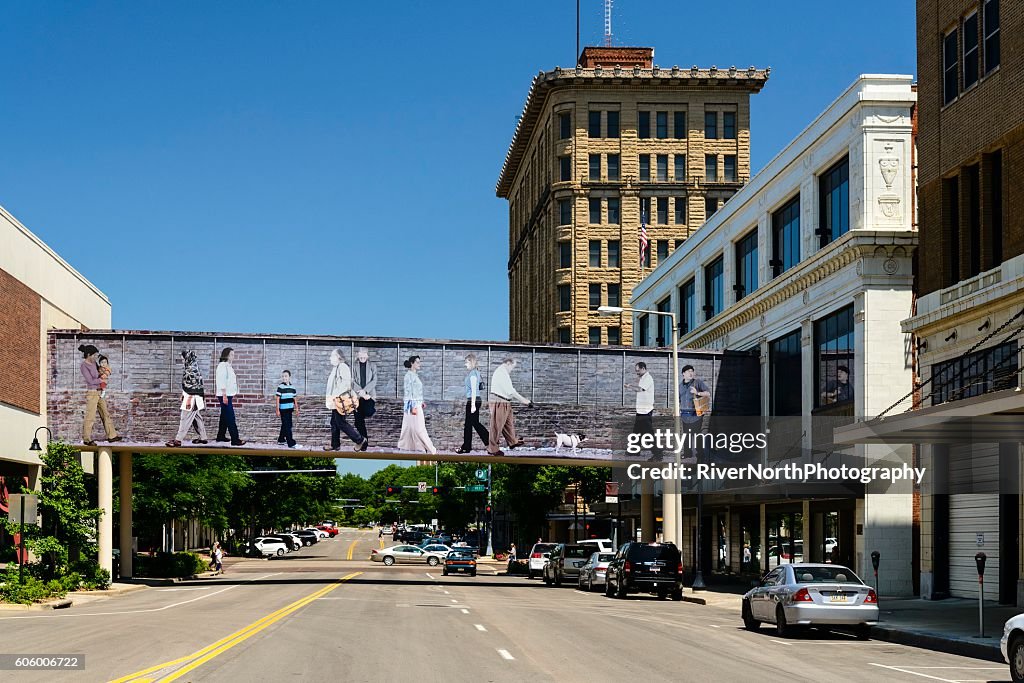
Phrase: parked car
[436,548]
[604,545]
[795,595]
[320,533]
[290,540]
[406,554]
[308,538]
[1012,646]
[332,531]
[410,536]
[460,561]
[593,572]
[269,546]
[565,562]
[538,558]
[655,568]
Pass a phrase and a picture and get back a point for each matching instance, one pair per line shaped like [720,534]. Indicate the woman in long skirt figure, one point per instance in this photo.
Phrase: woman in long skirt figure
[414,435]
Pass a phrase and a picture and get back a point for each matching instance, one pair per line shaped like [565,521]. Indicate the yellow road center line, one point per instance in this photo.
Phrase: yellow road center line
[352,547]
[210,651]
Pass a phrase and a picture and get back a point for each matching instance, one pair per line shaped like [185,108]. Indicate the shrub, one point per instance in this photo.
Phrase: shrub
[170,565]
[32,588]
[93,577]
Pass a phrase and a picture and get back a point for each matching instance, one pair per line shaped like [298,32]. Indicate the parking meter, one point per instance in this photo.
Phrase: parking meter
[979,560]
[875,558]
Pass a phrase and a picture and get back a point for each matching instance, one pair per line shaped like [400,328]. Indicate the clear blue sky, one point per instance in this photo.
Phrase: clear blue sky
[329,167]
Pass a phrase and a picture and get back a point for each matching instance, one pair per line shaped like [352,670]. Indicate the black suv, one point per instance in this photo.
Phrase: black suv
[655,568]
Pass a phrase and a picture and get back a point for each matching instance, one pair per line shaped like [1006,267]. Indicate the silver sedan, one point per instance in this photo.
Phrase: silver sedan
[594,571]
[802,595]
[407,554]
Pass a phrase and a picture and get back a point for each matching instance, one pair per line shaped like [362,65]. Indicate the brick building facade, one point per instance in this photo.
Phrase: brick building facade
[597,149]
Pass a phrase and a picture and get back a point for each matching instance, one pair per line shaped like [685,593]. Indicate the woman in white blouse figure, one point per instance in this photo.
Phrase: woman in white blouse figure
[414,427]
[227,389]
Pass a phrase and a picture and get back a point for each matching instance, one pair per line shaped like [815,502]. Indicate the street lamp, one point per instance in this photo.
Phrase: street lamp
[698,581]
[35,439]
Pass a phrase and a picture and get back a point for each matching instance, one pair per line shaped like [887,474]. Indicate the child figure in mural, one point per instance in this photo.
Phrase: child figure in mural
[474,386]
[287,408]
[414,435]
[94,401]
[103,368]
[193,401]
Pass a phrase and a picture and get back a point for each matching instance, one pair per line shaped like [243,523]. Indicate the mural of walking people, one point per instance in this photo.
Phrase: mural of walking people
[694,402]
[414,435]
[503,422]
[192,401]
[339,395]
[227,389]
[364,383]
[473,402]
[94,400]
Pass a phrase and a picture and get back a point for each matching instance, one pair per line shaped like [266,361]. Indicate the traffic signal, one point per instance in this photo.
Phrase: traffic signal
[437,490]
[392,489]
[487,513]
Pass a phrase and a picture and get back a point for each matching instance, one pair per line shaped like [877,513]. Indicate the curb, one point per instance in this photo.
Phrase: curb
[941,643]
[63,603]
[694,599]
[146,581]
[115,589]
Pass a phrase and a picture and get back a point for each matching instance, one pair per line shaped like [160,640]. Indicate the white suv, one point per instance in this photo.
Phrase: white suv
[538,558]
[270,546]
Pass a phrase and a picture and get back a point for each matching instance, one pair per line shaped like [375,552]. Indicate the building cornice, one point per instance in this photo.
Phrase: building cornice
[749,80]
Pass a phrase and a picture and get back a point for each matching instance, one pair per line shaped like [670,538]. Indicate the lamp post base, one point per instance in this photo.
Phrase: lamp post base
[698,581]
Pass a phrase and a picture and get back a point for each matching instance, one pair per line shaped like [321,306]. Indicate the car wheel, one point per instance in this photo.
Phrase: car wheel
[782,627]
[307,543]
[749,622]
[433,561]
[280,552]
[473,574]
[529,574]
[677,595]
[547,581]
[607,588]
[1016,653]
[558,579]
[662,594]
[444,572]
[620,592]
[388,560]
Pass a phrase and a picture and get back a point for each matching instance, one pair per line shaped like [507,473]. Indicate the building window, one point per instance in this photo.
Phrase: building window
[991,19]
[594,336]
[688,306]
[565,254]
[594,124]
[564,335]
[565,212]
[664,322]
[680,207]
[729,125]
[679,243]
[564,125]
[786,237]
[711,168]
[680,168]
[613,167]
[714,288]
[746,265]
[613,124]
[977,373]
[710,206]
[679,125]
[643,335]
[662,250]
[595,253]
[645,210]
[595,166]
[614,297]
[564,298]
[971,56]
[834,202]
[614,214]
[645,167]
[595,295]
[784,371]
[565,168]
[614,338]
[613,252]
[643,125]
[662,124]
[950,85]
[730,168]
[595,210]
[663,168]
[711,125]
[662,210]
[833,358]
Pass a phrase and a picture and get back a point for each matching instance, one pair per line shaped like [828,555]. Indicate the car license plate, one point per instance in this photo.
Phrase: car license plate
[838,597]
[655,569]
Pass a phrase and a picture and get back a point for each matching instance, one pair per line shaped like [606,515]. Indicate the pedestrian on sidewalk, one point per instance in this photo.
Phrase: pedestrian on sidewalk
[192,401]
[217,558]
[227,389]
[473,402]
[511,557]
[503,422]
[287,408]
[94,401]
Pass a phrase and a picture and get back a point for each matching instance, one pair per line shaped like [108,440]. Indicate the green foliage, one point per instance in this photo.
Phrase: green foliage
[33,588]
[169,565]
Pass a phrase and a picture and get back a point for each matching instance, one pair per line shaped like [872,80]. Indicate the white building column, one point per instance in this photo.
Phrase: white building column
[125,472]
[646,510]
[105,486]
[671,525]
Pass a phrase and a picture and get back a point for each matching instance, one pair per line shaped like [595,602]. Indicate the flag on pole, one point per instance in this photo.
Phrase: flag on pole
[644,242]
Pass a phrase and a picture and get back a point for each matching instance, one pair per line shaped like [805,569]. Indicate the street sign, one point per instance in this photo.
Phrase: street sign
[476,488]
[611,492]
[421,487]
[481,474]
[19,501]
[433,522]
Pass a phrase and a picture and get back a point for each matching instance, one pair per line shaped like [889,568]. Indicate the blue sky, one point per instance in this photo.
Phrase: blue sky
[329,167]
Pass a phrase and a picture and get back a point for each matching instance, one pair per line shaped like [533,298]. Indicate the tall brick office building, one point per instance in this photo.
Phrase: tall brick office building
[596,147]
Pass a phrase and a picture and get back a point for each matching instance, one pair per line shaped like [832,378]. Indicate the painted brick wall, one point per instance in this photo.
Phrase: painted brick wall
[575,389]
[19,340]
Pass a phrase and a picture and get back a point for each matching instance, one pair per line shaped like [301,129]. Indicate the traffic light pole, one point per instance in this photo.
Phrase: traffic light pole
[490,546]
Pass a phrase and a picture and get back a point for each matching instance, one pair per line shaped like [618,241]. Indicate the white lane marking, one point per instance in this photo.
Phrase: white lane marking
[430,577]
[714,626]
[505,654]
[480,627]
[140,611]
[455,601]
[447,593]
[190,588]
[914,673]
[465,611]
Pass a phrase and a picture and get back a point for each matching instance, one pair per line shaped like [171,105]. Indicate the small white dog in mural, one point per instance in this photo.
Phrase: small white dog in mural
[572,441]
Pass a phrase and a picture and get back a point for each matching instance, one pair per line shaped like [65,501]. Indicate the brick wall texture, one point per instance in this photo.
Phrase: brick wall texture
[20,343]
[574,389]
[985,119]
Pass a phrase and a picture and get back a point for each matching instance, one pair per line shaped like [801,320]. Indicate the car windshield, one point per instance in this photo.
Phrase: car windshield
[834,574]
[647,553]
[543,547]
[578,551]
[605,557]
[456,555]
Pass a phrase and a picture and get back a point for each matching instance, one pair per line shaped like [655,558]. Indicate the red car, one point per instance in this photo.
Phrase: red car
[331,530]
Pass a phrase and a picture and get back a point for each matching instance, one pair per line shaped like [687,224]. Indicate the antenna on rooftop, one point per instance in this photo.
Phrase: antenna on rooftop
[607,23]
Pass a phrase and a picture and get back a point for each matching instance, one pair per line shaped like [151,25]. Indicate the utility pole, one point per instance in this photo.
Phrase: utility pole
[490,545]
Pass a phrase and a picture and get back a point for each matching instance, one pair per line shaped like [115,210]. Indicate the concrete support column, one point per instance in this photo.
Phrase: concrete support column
[646,510]
[671,525]
[763,550]
[806,555]
[125,471]
[105,486]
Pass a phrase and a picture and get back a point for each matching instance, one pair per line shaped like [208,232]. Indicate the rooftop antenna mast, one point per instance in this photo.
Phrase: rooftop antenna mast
[607,23]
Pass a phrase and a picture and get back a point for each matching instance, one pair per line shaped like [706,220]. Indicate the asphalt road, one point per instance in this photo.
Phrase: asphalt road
[320,616]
